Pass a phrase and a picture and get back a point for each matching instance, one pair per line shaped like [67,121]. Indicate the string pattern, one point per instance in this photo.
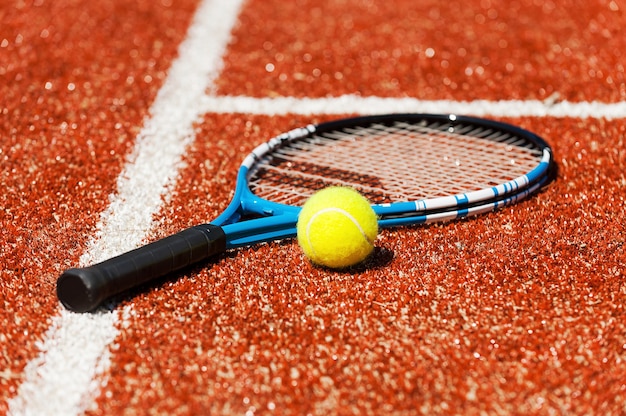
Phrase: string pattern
[392,163]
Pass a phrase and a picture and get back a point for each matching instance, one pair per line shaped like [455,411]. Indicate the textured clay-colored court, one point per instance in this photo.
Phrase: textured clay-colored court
[121,123]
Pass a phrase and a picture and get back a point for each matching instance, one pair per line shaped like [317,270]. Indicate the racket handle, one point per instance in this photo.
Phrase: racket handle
[84,289]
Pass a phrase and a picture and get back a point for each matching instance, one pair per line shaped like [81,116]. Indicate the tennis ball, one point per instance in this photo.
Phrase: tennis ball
[337,227]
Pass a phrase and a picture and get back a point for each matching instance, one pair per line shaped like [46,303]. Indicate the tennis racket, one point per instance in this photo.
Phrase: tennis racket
[414,168]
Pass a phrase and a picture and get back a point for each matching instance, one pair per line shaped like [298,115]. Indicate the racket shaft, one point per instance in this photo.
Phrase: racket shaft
[84,289]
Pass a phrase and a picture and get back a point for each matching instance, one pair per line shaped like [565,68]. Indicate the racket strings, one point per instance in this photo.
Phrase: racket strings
[391,163]
[448,163]
[304,178]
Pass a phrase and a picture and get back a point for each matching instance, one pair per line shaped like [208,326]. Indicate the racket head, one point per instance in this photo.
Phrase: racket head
[414,168]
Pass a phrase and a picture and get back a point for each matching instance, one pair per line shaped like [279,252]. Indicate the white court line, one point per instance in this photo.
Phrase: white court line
[74,355]
[354,104]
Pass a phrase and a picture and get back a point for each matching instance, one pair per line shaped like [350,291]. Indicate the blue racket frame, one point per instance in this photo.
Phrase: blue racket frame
[84,289]
[276,221]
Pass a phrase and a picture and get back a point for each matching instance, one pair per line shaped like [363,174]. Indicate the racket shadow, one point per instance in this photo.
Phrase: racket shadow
[380,258]
[161,283]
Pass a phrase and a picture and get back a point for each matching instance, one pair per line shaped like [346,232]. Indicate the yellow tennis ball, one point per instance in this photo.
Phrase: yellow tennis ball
[337,227]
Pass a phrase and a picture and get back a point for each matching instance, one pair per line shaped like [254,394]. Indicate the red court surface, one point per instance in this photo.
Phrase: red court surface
[428,49]
[520,311]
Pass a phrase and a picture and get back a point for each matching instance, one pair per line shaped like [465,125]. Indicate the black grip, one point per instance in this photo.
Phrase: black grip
[84,289]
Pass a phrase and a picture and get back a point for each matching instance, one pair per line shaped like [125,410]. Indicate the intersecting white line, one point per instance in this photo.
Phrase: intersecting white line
[74,355]
[356,104]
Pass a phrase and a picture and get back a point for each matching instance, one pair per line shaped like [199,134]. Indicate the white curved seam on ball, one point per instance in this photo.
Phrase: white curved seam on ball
[341,211]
